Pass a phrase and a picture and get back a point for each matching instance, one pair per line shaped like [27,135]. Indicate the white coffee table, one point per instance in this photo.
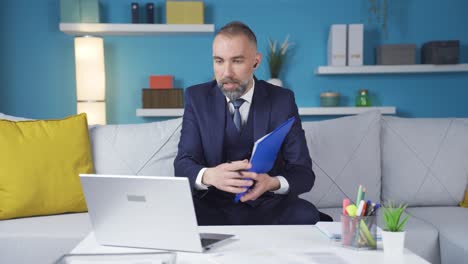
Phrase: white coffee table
[267,244]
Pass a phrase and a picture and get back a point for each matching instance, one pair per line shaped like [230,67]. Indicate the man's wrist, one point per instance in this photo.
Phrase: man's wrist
[206,178]
[198,181]
[275,184]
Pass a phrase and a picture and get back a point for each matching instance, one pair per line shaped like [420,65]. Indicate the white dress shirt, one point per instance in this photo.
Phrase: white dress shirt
[244,112]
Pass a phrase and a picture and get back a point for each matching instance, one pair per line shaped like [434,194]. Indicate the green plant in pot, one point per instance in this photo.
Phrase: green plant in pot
[393,235]
[276,56]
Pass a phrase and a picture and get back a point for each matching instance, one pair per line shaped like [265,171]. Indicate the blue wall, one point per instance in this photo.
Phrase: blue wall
[37,70]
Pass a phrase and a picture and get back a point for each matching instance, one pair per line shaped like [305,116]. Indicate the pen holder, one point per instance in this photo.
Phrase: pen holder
[359,232]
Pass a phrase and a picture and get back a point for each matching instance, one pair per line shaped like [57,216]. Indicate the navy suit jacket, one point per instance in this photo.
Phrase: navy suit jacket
[203,127]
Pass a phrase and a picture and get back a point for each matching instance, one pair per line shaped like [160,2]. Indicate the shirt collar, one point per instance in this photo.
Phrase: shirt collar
[248,96]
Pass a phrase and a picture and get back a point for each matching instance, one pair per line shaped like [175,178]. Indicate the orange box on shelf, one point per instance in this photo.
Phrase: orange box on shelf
[161,82]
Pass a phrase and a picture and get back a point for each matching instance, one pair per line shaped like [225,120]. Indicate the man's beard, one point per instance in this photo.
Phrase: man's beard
[237,92]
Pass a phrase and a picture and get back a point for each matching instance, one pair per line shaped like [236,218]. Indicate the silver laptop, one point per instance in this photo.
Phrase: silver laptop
[144,212]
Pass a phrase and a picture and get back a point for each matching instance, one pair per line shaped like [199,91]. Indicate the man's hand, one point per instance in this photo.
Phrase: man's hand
[229,177]
[263,183]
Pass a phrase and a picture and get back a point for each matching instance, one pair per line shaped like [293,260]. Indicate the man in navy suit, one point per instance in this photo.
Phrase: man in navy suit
[222,120]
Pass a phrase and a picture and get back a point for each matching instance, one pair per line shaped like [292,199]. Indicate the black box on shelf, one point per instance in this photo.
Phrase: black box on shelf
[163,98]
[441,52]
[396,54]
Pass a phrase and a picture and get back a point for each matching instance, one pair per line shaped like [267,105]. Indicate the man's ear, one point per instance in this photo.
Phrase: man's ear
[258,59]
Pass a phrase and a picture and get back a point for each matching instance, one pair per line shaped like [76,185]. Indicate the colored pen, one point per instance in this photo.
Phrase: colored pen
[368,207]
[363,195]
[364,208]
[360,208]
[359,194]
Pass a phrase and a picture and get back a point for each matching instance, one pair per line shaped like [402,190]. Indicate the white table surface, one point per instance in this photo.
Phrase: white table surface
[267,244]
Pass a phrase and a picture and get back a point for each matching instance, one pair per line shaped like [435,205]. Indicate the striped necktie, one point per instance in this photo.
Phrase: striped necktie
[237,117]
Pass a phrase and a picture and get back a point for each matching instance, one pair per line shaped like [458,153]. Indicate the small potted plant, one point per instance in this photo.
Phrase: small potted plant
[276,59]
[393,235]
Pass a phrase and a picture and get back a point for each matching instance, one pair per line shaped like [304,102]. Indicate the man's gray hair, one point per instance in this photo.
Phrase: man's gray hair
[235,28]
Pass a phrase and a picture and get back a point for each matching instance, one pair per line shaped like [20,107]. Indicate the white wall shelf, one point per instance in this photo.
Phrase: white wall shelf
[160,112]
[303,111]
[132,29]
[390,69]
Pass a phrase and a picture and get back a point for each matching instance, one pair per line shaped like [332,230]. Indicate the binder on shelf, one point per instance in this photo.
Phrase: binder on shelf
[337,45]
[355,44]
[266,149]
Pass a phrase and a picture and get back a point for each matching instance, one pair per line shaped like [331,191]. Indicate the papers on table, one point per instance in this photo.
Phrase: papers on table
[333,230]
[278,256]
[131,258]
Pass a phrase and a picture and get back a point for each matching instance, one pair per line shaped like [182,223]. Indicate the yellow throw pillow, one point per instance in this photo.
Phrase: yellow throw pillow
[464,203]
[39,166]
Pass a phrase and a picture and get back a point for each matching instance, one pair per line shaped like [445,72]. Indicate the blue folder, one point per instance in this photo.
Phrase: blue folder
[266,149]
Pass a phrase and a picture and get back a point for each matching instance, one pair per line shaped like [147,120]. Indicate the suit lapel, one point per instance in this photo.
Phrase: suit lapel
[262,109]
[217,106]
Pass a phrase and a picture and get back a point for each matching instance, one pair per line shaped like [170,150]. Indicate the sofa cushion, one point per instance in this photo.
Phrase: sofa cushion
[345,153]
[141,149]
[424,160]
[39,163]
[453,229]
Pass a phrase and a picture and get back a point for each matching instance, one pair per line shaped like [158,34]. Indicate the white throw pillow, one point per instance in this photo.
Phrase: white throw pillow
[137,149]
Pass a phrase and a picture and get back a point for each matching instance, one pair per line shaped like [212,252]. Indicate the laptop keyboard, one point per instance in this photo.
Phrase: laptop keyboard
[208,241]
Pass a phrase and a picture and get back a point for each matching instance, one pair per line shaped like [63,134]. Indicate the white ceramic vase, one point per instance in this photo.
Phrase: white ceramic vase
[276,81]
[393,243]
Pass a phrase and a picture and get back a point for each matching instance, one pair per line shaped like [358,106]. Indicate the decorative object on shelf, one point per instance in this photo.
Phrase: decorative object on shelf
[441,52]
[393,235]
[396,54]
[91,78]
[184,12]
[329,99]
[135,10]
[336,51]
[161,82]
[277,57]
[76,11]
[163,98]
[378,14]
[70,11]
[363,98]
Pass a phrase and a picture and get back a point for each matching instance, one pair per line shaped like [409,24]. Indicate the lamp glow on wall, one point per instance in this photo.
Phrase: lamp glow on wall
[90,78]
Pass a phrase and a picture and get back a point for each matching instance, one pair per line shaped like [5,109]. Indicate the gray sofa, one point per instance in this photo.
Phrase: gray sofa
[423,162]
